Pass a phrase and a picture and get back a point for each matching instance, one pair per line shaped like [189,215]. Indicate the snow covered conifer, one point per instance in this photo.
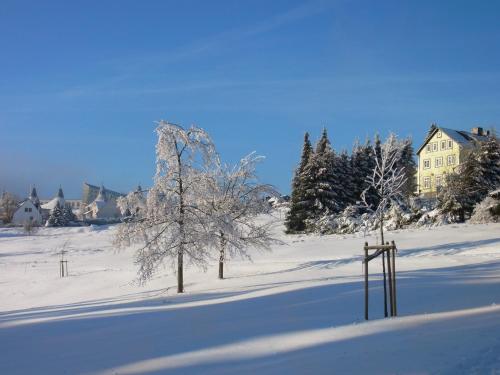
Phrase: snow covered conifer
[298,207]
[320,179]
[56,217]
[407,162]
[488,157]
[345,180]
[68,214]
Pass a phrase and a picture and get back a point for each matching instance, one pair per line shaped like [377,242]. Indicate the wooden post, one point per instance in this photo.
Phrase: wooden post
[366,280]
[385,284]
[394,276]
[389,271]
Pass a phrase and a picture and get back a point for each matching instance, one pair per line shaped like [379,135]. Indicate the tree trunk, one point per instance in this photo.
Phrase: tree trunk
[180,271]
[382,229]
[222,256]
[180,251]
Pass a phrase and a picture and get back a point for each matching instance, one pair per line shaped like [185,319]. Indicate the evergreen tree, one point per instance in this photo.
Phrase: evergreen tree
[298,205]
[320,180]
[56,217]
[369,156]
[68,214]
[407,162]
[345,185]
[430,132]
[488,157]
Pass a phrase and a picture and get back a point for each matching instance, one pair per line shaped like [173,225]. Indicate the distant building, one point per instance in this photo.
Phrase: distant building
[103,206]
[90,193]
[28,210]
[442,152]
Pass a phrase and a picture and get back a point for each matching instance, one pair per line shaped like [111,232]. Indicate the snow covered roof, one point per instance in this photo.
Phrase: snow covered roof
[463,138]
[53,203]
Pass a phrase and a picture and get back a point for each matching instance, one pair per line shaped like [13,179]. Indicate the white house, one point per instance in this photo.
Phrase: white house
[59,198]
[27,212]
[103,207]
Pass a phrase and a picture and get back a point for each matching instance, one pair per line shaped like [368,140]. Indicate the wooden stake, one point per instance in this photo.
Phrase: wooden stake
[389,270]
[366,280]
[385,284]
[394,276]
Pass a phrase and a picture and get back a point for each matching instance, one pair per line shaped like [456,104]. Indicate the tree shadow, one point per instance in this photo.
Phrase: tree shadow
[102,334]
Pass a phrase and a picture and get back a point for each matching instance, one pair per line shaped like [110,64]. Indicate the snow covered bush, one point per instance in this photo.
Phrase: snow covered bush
[488,210]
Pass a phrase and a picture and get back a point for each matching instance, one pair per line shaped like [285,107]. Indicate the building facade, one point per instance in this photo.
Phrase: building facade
[441,153]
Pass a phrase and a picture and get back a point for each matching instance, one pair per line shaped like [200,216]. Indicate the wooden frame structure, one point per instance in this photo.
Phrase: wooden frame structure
[63,265]
[387,251]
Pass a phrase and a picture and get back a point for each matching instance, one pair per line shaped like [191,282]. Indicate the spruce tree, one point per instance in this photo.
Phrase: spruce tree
[68,214]
[488,157]
[298,206]
[56,217]
[409,165]
[345,185]
[319,179]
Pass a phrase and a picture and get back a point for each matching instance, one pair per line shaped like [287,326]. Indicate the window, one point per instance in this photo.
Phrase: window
[429,148]
[438,162]
[443,145]
[435,146]
[439,134]
[30,209]
[427,182]
[451,159]
[438,181]
[25,209]
[450,144]
[427,163]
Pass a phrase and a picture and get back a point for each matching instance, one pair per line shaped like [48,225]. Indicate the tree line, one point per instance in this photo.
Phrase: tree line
[327,182]
[474,178]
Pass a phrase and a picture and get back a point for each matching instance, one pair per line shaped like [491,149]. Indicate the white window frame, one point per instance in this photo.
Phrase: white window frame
[439,181]
[439,134]
[434,146]
[440,160]
[427,182]
[450,144]
[452,158]
[427,163]
[428,148]
[443,145]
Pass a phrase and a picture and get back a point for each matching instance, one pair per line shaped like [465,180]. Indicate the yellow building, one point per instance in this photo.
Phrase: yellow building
[442,152]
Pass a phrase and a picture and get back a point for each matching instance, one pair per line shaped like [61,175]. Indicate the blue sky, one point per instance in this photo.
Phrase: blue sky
[82,82]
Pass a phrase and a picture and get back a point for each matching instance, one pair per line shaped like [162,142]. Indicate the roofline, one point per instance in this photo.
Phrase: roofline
[428,139]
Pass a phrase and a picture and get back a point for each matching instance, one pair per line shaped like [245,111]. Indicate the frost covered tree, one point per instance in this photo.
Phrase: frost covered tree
[8,206]
[57,217]
[407,162]
[320,180]
[68,214]
[171,227]
[233,201]
[387,179]
[345,186]
[478,174]
[299,205]
[488,158]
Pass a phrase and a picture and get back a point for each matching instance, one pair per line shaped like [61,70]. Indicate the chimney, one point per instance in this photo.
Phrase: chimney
[477,131]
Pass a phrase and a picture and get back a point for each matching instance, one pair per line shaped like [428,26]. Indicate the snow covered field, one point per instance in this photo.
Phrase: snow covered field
[296,310]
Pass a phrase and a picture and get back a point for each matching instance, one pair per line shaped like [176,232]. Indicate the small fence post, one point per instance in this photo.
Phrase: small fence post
[366,280]
[389,270]
[394,276]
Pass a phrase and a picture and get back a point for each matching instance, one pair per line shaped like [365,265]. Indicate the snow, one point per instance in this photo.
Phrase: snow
[295,310]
